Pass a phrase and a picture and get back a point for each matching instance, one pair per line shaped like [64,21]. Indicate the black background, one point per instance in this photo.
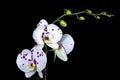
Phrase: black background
[95,53]
[115,75]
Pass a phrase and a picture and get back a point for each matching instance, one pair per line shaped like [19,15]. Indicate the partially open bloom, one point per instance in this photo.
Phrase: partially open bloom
[32,61]
[66,45]
[47,33]
[52,36]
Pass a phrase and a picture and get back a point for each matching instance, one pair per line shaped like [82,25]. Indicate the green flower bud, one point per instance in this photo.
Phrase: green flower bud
[97,17]
[68,12]
[110,15]
[63,23]
[82,18]
[89,11]
[104,13]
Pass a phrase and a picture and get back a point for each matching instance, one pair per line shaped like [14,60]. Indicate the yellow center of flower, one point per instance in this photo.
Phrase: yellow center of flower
[31,66]
[47,39]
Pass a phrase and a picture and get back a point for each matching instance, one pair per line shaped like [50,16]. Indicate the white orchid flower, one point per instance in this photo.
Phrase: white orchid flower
[47,33]
[32,61]
[66,45]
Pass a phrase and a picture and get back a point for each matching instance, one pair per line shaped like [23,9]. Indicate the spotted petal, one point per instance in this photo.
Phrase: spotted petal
[42,22]
[55,33]
[67,42]
[24,60]
[39,58]
[39,32]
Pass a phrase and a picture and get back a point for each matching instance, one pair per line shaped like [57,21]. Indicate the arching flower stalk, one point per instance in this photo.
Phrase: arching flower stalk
[68,12]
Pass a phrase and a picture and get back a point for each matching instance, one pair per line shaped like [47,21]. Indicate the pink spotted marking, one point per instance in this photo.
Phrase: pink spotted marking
[37,52]
[42,34]
[35,62]
[23,57]
[52,29]
[47,33]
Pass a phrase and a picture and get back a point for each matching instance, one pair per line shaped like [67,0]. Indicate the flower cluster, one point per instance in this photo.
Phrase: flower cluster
[30,61]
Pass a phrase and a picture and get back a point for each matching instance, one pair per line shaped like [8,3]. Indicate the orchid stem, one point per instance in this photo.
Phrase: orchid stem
[89,12]
[45,70]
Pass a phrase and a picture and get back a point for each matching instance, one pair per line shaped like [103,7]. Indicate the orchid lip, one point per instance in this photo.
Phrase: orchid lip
[46,39]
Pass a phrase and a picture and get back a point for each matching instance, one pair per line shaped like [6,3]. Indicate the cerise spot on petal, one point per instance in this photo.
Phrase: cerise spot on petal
[29,60]
[52,29]
[37,56]
[34,61]
[47,33]
[23,64]
[45,29]
[42,34]
[37,52]
[23,56]
[40,54]
[58,29]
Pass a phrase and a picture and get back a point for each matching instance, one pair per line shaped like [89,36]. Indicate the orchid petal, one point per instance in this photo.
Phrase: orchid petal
[55,32]
[29,74]
[37,35]
[24,60]
[39,32]
[53,45]
[40,74]
[61,53]
[39,58]
[42,22]
[67,42]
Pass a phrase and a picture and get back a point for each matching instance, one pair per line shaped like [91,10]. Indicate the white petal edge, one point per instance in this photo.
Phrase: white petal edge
[53,45]
[29,74]
[40,74]
[43,22]
[67,42]
[37,35]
